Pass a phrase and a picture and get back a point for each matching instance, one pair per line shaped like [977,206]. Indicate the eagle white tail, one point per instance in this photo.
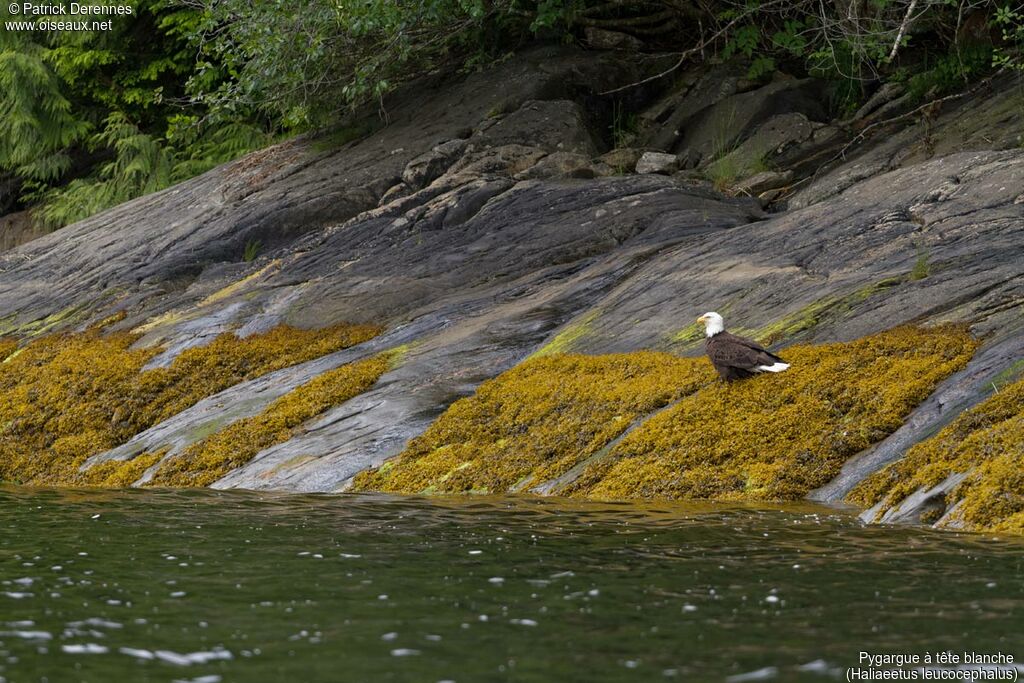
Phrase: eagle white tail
[775,367]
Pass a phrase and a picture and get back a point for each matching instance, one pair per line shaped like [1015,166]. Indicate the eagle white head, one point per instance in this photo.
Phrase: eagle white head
[713,323]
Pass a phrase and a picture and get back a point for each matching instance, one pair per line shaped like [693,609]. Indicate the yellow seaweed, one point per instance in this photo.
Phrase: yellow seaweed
[208,460]
[986,443]
[774,437]
[66,397]
[538,419]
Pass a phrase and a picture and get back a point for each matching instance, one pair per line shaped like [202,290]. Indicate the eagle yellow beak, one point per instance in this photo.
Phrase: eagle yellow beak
[701,319]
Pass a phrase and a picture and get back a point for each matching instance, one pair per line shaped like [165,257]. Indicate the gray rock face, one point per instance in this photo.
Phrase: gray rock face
[762,182]
[716,130]
[481,222]
[475,295]
[156,249]
[990,120]
[870,237]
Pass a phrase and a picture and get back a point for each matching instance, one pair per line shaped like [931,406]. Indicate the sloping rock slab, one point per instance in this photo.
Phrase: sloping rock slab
[479,295]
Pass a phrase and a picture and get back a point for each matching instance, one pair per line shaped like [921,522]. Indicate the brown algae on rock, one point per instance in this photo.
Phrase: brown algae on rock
[774,437]
[986,443]
[777,437]
[120,473]
[66,397]
[538,419]
[208,460]
[8,346]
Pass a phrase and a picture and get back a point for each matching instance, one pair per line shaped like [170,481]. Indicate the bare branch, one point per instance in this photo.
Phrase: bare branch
[699,47]
[903,29]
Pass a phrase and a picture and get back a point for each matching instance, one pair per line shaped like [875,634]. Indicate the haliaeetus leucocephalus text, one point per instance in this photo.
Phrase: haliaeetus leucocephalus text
[736,357]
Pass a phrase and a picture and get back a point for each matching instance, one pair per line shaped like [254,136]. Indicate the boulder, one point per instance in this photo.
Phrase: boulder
[565,165]
[767,142]
[505,160]
[422,170]
[622,159]
[603,39]
[720,128]
[557,125]
[657,162]
[18,228]
[699,90]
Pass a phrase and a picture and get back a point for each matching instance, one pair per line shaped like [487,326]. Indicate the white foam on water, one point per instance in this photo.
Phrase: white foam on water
[764,674]
[85,649]
[27,635]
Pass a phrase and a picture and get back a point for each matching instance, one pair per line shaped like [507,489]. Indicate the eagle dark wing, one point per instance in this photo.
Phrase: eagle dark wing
[737,357]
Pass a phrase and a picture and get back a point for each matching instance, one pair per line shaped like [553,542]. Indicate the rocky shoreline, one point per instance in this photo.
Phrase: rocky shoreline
[520,210]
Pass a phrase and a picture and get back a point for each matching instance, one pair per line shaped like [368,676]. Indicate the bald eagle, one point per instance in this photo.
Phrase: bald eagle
[736,357]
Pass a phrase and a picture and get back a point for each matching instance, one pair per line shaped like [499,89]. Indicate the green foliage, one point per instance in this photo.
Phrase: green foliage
[252,250]
[37,124]
[860,43]
[141,164]
[951,72]
[1010,22]
[302,62]
[89,119]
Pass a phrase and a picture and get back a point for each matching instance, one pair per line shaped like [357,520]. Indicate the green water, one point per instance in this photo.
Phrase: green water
[218,586]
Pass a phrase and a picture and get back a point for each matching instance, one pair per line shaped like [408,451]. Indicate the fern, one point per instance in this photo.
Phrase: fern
[37,124]
[141,164]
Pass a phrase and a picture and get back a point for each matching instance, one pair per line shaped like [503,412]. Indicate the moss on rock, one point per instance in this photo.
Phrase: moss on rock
[987,444]
[66,397]
[538,419]
[774,437]
[208,460]
[573,332]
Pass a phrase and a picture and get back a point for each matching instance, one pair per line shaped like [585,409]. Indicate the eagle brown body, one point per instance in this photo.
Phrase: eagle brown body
[736,357]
